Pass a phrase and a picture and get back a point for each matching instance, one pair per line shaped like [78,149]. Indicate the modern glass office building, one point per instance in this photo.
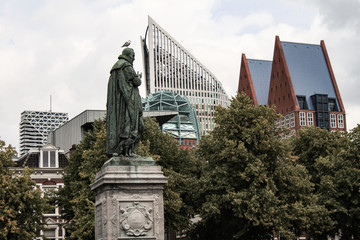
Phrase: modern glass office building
[184,126]
[35,127]
[169,66]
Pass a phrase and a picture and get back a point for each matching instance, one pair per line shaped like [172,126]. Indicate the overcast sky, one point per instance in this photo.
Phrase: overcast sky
[66,48]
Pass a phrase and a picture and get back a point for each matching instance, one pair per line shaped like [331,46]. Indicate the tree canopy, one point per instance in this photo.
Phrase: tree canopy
[76,198]
[21,202]
[243,181]
[252,188]
[182,169]
[332,159]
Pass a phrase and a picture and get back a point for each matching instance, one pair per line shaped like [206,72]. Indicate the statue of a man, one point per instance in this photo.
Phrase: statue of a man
[123,109]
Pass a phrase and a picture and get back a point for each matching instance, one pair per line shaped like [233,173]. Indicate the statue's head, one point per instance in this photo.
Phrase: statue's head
[128,54]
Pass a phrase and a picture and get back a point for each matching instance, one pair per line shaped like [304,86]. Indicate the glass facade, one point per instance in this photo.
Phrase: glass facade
[184,127]
[321,106]
[169,66]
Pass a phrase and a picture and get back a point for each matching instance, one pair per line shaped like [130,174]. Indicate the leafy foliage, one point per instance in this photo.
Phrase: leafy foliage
[182,170]
[251,186]
[76,198]
[21,203]
[333,162]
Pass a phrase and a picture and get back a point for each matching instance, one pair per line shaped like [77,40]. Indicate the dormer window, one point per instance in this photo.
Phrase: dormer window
[332,105]
[302,102]
[49,157]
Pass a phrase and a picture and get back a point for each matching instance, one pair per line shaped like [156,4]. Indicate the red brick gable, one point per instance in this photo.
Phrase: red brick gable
[281,91]
[245,84]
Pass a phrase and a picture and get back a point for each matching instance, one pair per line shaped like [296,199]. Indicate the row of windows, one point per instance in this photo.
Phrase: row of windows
[310,120]
[321,103]
[339,122]
[287,121]
[189,143]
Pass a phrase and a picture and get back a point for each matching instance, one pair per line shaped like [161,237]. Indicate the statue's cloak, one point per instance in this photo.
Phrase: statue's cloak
[124,109]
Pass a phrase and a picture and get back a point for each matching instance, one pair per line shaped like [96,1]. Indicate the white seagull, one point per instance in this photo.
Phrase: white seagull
[126,44]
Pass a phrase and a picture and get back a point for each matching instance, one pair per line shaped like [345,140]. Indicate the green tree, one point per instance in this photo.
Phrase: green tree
[21,203]
[76,198]
[333,162]
[182,169]
[251,187]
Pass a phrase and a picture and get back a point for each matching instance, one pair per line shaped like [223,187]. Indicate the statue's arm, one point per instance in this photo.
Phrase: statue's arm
[132,76]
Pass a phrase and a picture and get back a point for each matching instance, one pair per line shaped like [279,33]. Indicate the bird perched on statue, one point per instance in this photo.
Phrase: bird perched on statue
[126,44]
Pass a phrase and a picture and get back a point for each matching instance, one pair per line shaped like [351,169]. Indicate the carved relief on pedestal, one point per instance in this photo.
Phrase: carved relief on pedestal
[136,219]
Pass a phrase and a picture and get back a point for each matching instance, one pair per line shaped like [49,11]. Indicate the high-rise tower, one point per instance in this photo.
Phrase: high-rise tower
[169,66]
[36,125]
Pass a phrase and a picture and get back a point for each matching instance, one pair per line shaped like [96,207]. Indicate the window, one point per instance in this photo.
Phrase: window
[332,120]
[49,234]
[302,119]
[332,105]
[287,117]
[292,120]
[340,121]
[310,119]
[49,159]
[282,122]
[302,102]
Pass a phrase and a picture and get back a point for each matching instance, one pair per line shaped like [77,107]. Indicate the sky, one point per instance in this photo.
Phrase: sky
[65,49]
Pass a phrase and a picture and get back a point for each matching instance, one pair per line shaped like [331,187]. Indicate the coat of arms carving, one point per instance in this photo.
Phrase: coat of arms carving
[136,220]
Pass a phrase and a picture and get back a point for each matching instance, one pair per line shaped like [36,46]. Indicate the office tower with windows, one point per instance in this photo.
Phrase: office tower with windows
[35,127]
[169,66]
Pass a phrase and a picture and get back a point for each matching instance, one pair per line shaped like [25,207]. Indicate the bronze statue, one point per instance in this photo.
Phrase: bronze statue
[123,109]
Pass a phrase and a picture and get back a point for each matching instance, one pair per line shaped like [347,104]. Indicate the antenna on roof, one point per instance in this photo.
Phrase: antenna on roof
[50,103]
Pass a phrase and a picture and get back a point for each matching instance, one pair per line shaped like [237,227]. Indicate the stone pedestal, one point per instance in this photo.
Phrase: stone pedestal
[129,200]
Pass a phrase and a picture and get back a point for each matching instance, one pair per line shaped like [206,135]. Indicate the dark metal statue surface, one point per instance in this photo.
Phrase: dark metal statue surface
[123,109]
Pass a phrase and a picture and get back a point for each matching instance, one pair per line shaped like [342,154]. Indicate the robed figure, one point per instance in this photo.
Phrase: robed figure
[123,109]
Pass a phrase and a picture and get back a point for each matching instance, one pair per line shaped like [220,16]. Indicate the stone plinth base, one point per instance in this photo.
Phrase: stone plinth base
[129,200]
